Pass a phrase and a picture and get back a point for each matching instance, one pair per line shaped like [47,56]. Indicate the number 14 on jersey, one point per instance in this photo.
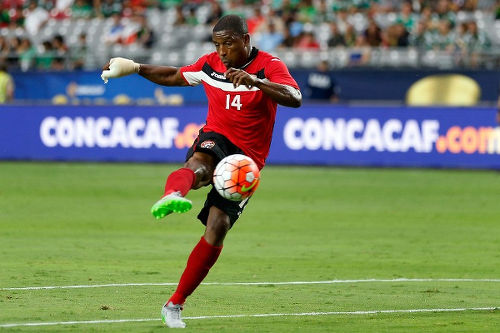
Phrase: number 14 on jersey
[236,102]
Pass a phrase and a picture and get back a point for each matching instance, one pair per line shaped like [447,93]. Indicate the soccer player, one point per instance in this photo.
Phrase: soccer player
[243,86]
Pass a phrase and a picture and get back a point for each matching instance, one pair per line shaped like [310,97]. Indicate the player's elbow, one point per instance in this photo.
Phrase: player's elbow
[294,98]
[297,102]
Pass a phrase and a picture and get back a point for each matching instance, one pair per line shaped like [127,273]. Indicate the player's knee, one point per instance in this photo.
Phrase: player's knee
[218,224]
[203,167]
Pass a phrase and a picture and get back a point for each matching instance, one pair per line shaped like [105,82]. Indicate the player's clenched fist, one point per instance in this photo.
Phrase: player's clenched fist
[240,77]
[118,67]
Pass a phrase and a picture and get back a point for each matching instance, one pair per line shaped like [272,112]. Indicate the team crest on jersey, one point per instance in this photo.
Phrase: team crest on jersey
[207,144]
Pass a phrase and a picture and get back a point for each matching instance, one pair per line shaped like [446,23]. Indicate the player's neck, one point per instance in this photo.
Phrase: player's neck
[252,53]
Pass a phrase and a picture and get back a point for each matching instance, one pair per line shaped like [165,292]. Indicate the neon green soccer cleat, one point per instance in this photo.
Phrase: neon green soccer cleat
[172,203]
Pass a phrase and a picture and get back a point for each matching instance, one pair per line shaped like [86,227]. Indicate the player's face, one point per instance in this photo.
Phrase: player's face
[231,48]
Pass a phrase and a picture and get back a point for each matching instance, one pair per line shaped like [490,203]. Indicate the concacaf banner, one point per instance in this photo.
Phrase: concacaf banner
[310,135]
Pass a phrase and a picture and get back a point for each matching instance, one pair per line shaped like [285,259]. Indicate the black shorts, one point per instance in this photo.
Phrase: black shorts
[219,147]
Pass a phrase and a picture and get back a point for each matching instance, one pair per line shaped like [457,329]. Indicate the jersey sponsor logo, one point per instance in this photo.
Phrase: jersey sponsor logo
[208,144]
[246,189]
[217,75]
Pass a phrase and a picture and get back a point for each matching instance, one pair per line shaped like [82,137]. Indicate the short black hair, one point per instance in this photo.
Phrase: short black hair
[233,23]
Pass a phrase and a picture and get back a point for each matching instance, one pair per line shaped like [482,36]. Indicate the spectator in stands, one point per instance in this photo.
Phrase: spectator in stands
[461,36]
[62,9]
[406,16]
[191,18]
[128,10]
[402,35]
[59,46]
[336,38]
[145,35]
[235,7]
[475,39]
[288,40]
[423,21]
[216,12]
[373,34]
[79,52]
[4,47]
[360,52]
[10,4]
[443,12]
[287,12]
[426,15]
[109,7]
[36,17]
[131,29]
[58,64]
[469,5]
[307,41]
[476,42]
[324,14]
[166,4]
[81,9]
[321,85]
[269,39]
[285,7]
[342,20]
[444,38]
[295,26]
[115,31]
[180,19]
[4,18]
[6,85]
[350,36]
[139,6]
[307,12]
[420,38]
[16,17]
[24,51]
[256,20]
[45,56]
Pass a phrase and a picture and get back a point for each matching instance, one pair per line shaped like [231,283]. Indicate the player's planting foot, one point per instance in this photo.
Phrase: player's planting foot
[171,315]
[171,203]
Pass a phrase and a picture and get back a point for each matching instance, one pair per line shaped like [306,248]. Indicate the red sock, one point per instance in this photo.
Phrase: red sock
[180,181]
[199,263]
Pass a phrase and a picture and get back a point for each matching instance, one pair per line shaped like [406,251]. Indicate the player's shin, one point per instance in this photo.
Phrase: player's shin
[181,180]
[202,258]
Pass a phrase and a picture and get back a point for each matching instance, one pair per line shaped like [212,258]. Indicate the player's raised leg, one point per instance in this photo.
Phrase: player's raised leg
[201,259]
[178,185]
[197,172]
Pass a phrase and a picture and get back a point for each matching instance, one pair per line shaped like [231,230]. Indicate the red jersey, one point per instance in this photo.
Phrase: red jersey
[244,116]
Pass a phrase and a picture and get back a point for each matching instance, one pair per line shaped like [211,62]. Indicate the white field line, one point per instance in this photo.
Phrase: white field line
[250,283]
[331,313]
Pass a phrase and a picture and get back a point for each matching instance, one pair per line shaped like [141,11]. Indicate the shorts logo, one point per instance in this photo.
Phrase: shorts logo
[207,144]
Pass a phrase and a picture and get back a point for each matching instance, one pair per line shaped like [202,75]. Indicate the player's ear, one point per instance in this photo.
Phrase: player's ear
[246,39]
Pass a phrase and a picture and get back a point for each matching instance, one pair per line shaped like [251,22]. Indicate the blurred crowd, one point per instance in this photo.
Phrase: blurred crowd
[454,26]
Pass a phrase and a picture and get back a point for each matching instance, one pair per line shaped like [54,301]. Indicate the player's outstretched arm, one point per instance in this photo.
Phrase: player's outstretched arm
[280,93]
[163,75]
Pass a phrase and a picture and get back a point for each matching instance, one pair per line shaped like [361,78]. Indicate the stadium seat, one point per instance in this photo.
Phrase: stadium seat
[157,58]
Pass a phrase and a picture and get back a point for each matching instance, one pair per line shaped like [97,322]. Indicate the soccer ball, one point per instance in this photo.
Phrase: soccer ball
[236,177]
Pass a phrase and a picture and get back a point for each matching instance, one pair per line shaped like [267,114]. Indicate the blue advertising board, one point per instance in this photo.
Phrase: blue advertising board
[87,86]
[310,135]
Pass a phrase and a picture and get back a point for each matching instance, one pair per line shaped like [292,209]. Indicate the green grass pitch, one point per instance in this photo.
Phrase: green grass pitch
[88,224]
